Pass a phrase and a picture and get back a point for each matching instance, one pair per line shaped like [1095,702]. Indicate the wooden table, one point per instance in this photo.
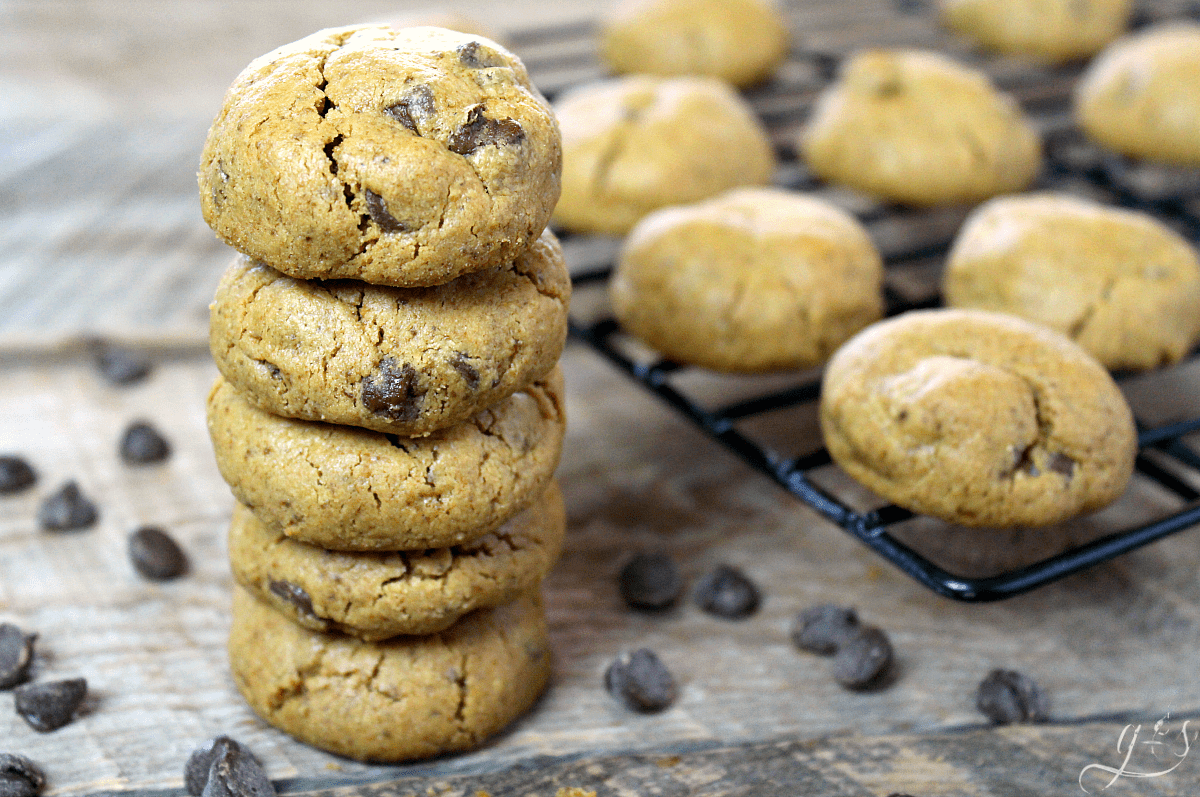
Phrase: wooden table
[103,115]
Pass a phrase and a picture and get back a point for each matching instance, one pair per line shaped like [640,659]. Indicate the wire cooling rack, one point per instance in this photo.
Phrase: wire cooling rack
[913,244]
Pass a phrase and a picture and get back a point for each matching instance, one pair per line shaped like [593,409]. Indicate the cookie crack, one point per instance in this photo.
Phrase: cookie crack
[460,681]
[1078,327]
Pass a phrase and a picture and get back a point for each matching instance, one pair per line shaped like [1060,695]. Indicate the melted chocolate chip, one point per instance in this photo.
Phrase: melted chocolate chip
[474,56]
[19,777]
[823,629]
[417,105]
[156,555]
[16,654]
[641,681]
[462,364]
[392,392]
[271,368]
[863,660]
[479,131]
[1008,696]
[67,510]
[15,475]
[1062,464]
[199,763]
[379,213]
[49,705]
[236,773]
[726,592]
[142,444]
[650,581]
[294,595]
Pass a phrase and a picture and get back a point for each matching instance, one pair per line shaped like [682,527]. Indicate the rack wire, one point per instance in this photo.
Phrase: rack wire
[911,242]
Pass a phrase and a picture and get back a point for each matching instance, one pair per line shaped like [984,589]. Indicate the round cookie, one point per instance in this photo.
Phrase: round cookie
[1052,31]
[1141,96]
[915,127]
[756,279]
[375,596]
[401,699]
[351,489]
[401,360]
[1120,283]
[977,418]
[638,143]
[739,41]
[402,157]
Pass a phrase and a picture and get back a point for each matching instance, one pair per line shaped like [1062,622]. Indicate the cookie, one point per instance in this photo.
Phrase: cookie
[638,143]
[374,596]
[1141,96]
[401,699]
[351,489]
[739,41]
[404,157]
[756,279]
[446,18]
[1051,31]
[1120,283]
[977,418]
[405,361]
[917,128]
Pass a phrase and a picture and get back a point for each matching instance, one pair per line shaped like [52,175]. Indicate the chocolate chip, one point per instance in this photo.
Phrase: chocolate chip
[19,777]
[142,444]
[16,654]
[294,595]
[156,555]
[199,763]
[726,592]
[416,106]
[461,363]
[379,213]
[823,629]
[1062,464]
[236,773]
[121,366]
[49,705]
[474,56]
[863,660]
[650,581]
[641,681]
[67,510]
[1007,696]
[479,131]
[392,392]
[15,475]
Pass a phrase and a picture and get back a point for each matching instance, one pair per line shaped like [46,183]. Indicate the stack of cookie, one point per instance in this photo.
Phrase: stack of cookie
[389,412]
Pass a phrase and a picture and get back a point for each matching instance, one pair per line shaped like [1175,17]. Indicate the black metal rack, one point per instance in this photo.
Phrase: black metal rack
[1071,164]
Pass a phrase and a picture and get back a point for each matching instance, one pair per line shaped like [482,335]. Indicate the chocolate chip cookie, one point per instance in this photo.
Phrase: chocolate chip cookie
[740,41]
[374,596]
[1120,283]
[1052,31]
[405,361]
[1141,96]
[756,279]
[404,698]
[915,127]
[977,418]
[351,489]
[403,157]
[634,144]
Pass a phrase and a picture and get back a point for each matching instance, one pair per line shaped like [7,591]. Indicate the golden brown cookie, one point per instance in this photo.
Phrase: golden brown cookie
[401,360]
[740,41]
[1141,96]
[400,157]
[915,127]
[635,144]
[756,279]
[1120,283]
[977,418]
[1052,31]
[351,489]
[374,596]
[404,698]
